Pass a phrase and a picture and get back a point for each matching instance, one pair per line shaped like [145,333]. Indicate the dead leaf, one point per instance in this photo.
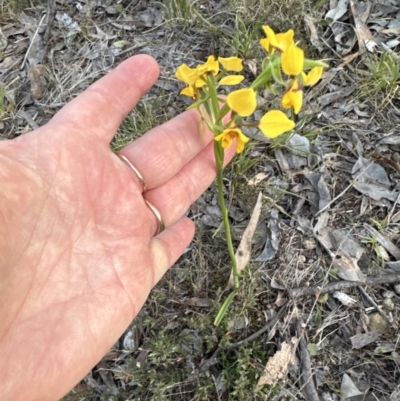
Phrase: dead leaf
[395,396]
[273,239]
[338,11]
[257,179]
[278,365]
[199,302]
[243,253]
[344,299]
[361,340]
[364,35]
[345,252]
[371,179]
[348,389]
[314,39]
[385,242]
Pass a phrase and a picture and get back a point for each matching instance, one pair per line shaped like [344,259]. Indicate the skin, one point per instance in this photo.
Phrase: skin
[77,253]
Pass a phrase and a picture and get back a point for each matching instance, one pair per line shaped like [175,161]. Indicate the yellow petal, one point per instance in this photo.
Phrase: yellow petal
[270,35]
[188,91]
[186,74]
[285,40]
[265,44]
[313,76]
[242,101]
[199,83]
[292,60]
[227,137]
[241,140]
[275,123]
[231,63]
[293,98]
[231,80]
[211,65]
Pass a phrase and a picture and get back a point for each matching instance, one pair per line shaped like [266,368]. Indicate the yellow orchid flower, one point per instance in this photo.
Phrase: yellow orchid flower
[292,60]
[242,101]
[231,63]
[313,76]
[280,41]
[293,97]
[275,123]
[227,137]
[187,74]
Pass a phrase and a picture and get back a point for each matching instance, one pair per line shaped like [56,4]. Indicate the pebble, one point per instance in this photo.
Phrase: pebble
[388,294]
[378,323]
[309,244]
[397,289]
[388,304]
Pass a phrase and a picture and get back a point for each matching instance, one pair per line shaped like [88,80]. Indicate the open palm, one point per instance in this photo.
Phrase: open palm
[77,252]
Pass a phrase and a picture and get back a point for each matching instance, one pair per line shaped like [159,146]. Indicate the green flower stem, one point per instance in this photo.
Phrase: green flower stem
[219,157]
[217,116]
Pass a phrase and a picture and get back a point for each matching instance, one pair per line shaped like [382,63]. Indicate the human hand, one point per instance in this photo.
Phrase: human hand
[77,252]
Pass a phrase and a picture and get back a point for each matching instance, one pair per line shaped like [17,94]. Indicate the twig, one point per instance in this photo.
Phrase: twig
[33,39]
[373,303]
[51,11]
[24,115]
[341,285]
[386,243]
[306,374]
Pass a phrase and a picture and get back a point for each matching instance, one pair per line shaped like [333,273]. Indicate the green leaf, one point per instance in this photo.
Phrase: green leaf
[84,30]
[312,349]
[120,43]
[314,63]
[224,308]
[323,298]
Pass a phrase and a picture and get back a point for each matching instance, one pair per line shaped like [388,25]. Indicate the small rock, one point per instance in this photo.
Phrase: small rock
[130,341]
[388,304]
[298,145]
[378,323]
[388,294]
[302,259]
[397,289]
[38,75]
[238,323]
[309,244]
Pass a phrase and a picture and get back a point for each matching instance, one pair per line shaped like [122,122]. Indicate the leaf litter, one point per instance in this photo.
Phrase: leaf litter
[330,200]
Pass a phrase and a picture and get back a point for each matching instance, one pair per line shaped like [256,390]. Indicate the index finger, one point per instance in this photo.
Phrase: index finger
[100,109]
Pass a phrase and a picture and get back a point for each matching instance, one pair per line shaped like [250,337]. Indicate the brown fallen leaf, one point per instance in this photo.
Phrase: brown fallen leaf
[278,365]
[243,253]
[314,39]
[364,35]
[199,302]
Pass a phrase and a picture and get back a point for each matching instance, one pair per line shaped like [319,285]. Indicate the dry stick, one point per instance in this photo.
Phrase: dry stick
[33,39]
[373,303]
[51,12]
[341,285]
[306,374]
